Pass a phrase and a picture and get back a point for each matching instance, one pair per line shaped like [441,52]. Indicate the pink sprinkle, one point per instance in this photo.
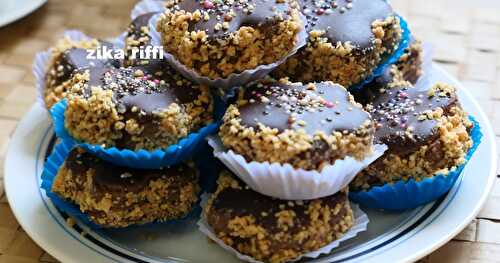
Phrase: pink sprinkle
[328,104]
[156,81]
[145,78]
[403,95]
[208,4]
[403,125]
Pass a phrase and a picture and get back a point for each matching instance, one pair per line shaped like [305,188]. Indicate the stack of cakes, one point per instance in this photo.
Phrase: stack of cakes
[329,107]
[129,107]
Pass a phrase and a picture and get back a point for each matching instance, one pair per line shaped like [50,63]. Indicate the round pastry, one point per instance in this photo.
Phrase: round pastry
[137,38]
[114,196]
[67,57]
[142,107]
[307,126]
[273,230]
[347,40]
[426,132]
[218,38]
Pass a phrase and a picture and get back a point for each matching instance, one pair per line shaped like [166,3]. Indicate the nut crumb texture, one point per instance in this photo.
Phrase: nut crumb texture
[219,38]
[272,230]
[66,57]
[141,107]
[305,125]
[347,41]
[426,131]
[114,196]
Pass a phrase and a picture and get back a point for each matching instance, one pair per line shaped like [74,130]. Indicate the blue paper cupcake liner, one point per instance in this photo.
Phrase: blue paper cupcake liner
[204,163]
[393,58]
[209,168]
[173,154]
[409,194]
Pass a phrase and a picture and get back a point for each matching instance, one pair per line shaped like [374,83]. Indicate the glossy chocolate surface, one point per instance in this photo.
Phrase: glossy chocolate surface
[74,59]
[346,20]
[253,13]
[397,113]
[232,202]
[112,178]
[148,87]
[326,108]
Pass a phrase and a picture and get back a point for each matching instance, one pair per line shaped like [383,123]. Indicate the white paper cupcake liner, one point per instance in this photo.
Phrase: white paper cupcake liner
[233,80]
[147,6]
[285,182]
[360,224]
[41,64]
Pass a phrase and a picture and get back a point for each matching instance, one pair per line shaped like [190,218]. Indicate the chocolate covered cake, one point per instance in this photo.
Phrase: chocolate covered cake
[114,196]
[272,230]
[218,38]
[305,125]
[426,132]
[348,39]
[67,57]
[142,107]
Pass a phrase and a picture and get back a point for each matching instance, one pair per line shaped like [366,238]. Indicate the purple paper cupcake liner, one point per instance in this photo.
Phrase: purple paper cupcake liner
[173,154]
[404,195]
[233,80]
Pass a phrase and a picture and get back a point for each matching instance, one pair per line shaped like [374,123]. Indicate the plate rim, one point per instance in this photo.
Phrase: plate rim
[34,233]
[22,12]
[437,242]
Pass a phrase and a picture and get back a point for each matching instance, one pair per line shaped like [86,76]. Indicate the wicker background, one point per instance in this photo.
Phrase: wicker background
[465,34]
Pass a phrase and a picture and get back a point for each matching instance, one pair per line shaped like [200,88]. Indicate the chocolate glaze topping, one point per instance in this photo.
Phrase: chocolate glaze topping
[96,76]
[397,113]
[231,203]
[76,59]
[148,87]
[111,178]
[346,20]
[283,106]
[254,13]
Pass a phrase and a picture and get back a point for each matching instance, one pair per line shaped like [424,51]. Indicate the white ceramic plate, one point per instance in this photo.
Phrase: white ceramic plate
[391,237]
[12,10]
